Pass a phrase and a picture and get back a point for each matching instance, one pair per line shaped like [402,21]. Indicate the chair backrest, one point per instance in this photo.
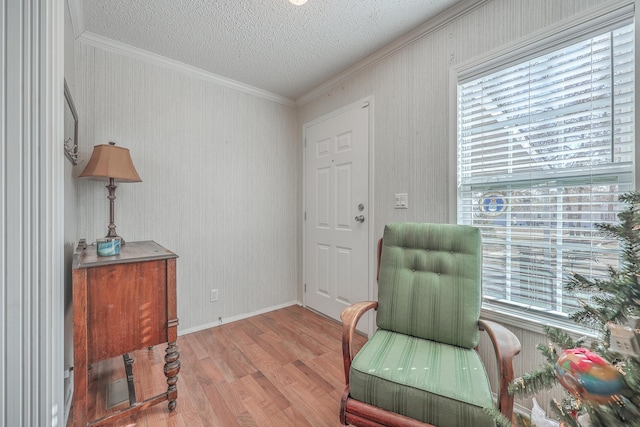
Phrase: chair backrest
[430,282]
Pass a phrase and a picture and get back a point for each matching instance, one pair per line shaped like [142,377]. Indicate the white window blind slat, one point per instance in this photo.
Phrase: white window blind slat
[545,148]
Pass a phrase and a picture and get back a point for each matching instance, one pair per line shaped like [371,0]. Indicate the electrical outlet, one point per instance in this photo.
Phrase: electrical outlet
[214,295]
[625,339]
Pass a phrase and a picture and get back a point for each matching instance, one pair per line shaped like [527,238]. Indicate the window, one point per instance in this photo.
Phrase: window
[545,147]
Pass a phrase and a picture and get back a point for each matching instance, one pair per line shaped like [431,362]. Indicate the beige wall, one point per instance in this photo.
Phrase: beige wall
[219,181]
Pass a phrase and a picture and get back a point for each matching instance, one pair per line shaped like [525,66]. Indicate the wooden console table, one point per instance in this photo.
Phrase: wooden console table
[123,303]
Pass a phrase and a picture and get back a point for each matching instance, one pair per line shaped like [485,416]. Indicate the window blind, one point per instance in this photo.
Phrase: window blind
[545,147]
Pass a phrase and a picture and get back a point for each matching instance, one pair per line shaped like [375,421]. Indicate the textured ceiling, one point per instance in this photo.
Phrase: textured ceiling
[272,45]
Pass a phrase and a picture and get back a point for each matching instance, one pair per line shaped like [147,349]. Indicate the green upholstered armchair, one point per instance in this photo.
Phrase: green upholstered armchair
[420,367]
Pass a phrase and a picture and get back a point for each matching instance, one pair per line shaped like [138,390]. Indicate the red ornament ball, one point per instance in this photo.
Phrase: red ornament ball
[588,376]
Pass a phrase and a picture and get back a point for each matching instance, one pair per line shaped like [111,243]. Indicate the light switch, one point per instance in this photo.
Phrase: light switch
[402,201]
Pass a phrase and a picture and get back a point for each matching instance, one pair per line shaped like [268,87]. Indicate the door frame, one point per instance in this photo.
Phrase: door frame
[373,242]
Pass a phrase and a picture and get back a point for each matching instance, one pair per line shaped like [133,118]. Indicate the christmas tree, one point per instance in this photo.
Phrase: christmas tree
[603,380]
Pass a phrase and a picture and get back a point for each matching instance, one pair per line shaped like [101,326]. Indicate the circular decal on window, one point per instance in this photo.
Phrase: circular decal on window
[493,204]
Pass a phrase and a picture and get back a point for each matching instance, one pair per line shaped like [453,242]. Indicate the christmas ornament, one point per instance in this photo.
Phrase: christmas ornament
[588,376]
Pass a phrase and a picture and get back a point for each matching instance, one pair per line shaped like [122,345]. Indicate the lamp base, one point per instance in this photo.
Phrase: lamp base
[113,235]
[112,197]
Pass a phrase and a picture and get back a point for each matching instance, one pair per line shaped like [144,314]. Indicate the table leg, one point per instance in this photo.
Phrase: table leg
[128,368]
[171,369]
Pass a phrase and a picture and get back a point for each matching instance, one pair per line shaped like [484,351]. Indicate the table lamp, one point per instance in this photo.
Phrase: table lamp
[111,163]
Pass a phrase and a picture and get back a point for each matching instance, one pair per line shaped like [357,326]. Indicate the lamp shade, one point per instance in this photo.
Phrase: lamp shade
[109,161]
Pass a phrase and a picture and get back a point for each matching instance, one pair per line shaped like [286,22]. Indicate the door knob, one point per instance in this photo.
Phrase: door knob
[360,218]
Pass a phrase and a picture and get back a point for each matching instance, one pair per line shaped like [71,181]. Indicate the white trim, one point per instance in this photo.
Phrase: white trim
[372,257]
[77,16]
[31,249]
[373,242]
[236,318]
[50,246]
[636,178]
[339,111]
[453,146]
[110,45]
[598,18]
[5,258]
[534,322]
[453,13]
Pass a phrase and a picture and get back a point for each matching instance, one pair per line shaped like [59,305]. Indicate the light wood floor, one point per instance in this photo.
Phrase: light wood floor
[282,368]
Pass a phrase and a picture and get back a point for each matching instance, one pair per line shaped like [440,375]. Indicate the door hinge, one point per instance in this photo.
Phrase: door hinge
[305,215]
[305,288]
[365,105]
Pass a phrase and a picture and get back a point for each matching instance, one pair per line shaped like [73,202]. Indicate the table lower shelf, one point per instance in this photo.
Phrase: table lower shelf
[138,381]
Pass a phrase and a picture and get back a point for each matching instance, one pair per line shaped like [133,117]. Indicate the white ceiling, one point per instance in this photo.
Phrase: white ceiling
[272,45]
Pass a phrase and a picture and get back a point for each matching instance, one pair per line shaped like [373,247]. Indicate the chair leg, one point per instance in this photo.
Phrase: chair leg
[343,406]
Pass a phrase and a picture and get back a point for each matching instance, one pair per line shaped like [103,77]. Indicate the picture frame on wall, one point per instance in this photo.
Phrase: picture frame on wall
[70,127]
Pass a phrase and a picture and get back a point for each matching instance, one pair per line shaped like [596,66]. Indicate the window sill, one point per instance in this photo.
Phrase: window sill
[533,322]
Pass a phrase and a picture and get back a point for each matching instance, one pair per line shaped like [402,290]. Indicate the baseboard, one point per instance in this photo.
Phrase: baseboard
[224,321]
[522,410]
[68,390]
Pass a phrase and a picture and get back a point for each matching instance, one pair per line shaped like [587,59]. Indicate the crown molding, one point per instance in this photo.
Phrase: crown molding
[461,8]
[77,16]
[107,44]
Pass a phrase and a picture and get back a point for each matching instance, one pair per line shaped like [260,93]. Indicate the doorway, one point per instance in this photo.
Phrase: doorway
[336,210]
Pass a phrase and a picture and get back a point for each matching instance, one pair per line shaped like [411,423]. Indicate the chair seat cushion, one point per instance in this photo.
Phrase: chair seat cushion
[394,371]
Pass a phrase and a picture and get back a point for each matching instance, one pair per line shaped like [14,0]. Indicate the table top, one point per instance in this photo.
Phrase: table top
[130,252]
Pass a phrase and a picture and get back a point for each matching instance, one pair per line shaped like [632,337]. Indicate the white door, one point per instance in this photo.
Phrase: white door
[336,250]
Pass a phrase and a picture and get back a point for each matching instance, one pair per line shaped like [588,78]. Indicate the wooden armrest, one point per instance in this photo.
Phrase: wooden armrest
[506,346]
[350,317]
